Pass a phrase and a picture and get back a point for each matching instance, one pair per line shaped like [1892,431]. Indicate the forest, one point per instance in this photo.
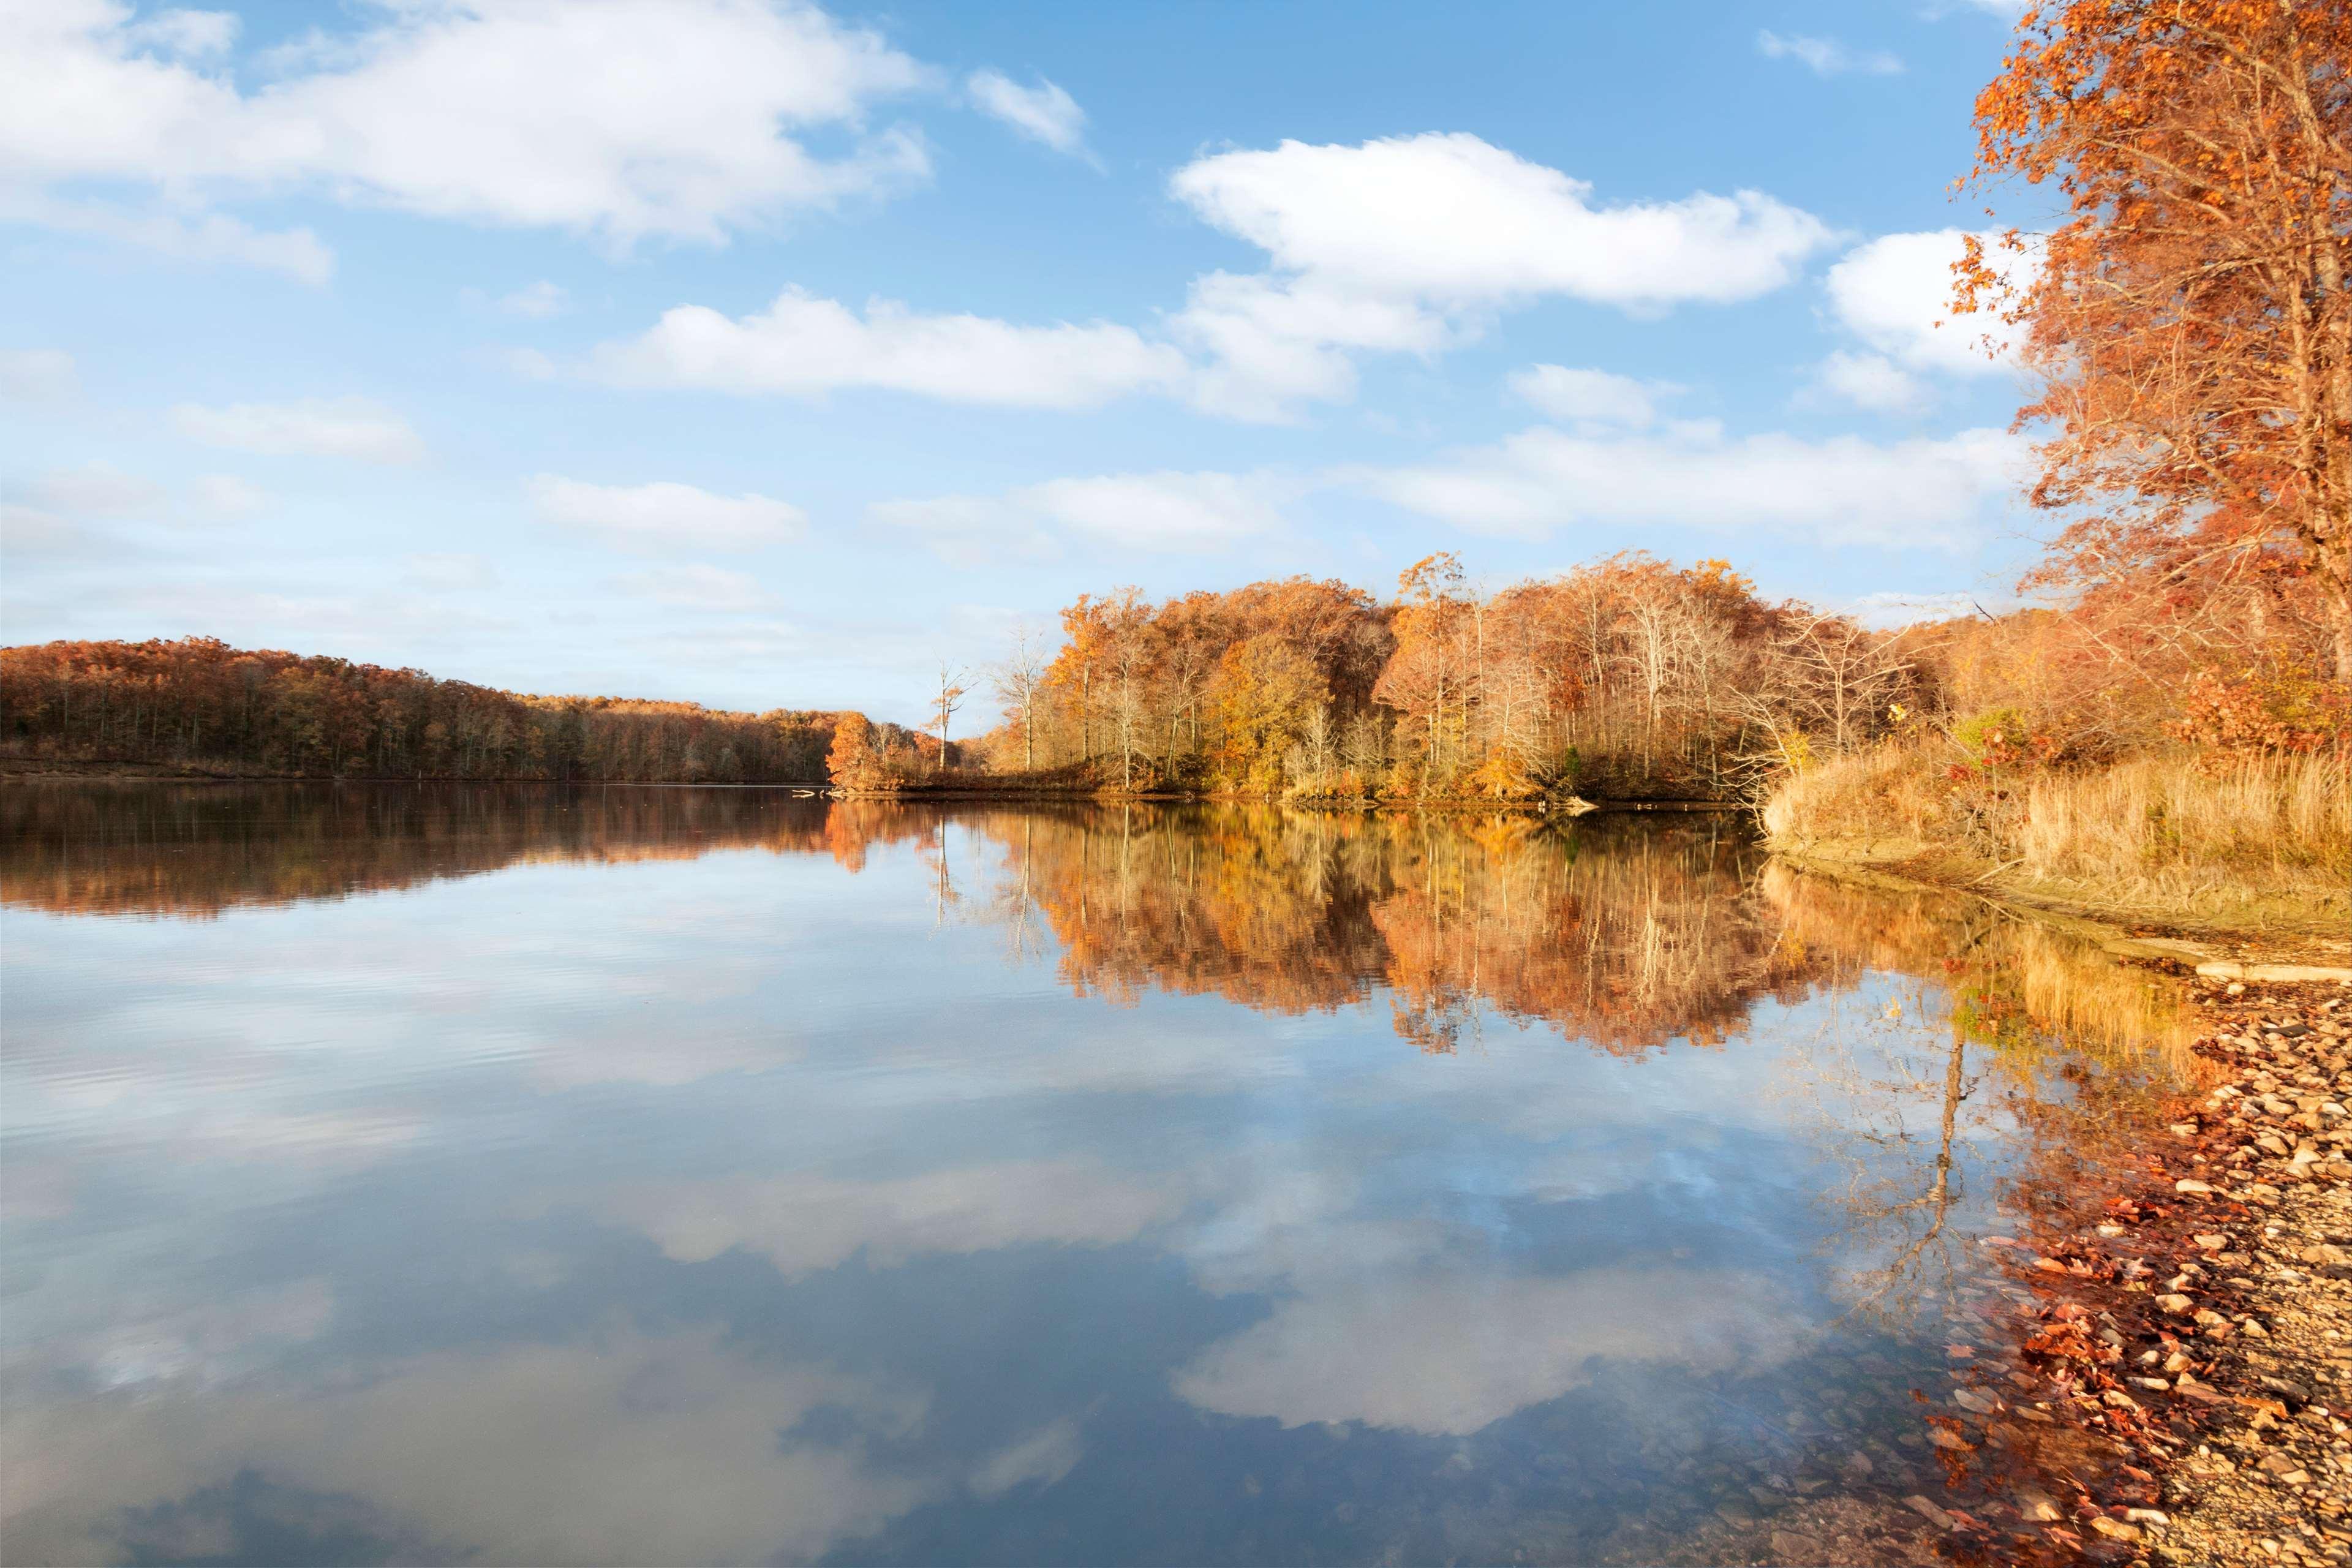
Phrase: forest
[197,705]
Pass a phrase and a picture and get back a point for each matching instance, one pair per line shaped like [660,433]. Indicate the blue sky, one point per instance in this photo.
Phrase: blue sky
[768,355]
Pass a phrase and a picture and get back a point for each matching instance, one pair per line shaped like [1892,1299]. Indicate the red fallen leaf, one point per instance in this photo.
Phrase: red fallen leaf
[1960,1352]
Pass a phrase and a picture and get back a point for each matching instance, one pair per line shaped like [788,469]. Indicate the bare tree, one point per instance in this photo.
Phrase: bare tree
[1018,678]
[950,698]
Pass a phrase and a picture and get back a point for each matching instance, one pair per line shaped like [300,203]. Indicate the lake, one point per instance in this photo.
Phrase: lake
[525,1175]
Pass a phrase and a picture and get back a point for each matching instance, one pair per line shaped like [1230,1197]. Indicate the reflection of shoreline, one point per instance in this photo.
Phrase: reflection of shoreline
[166,848]
[1627,931]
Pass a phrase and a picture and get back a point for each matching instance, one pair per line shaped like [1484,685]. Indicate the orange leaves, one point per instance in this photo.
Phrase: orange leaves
[2193,320]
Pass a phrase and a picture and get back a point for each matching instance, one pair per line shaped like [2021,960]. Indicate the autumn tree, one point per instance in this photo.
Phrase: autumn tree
[852,764]
[1263,694]
[2188,317]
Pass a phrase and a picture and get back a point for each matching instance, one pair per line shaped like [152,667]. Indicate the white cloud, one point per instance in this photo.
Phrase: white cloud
[94,489]
[316,426]
[1043,114]
[36,376]
[225,495]
[1267,344]
[1872,382]
[806,346]
[1452,220]
[1409,243]
[1404,246]
[1895,294]
[698,586]
[536,301]
[673,118]
[1194,514]
[666,516]
[1591,396]
[1826,56]
[1843,489]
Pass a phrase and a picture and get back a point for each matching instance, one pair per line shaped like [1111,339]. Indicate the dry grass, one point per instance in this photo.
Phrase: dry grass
[2262,839]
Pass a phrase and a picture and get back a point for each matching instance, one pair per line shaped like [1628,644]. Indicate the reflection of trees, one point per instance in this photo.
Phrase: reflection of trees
[2015,982]
[97,848]
[2030,1002]
[1900,1190]
[1626,933]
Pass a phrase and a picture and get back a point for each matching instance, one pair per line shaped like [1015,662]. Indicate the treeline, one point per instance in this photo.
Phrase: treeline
[200,704]
[1629,677]
[1634,677]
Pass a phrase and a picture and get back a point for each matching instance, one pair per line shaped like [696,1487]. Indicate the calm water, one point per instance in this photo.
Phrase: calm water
[696,1176]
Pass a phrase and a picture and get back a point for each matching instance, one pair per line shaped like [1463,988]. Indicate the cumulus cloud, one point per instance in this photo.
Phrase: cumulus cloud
[1826,56]
[315,426]
[804,346]
[666,516]
[1193,513]
[1405,246]
[1591,396]
[1410,243]
[36,376]
[670,118]
[1895,294]
[1043,114]
[1843,489]
[1453,220]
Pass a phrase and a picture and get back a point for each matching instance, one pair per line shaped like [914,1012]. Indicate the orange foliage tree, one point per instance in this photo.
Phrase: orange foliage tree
[2190,317]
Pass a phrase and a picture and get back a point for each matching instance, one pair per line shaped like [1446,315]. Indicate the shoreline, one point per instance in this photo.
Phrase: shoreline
[2221,952]
[2189,1312]
[2192,1323]
[17,770]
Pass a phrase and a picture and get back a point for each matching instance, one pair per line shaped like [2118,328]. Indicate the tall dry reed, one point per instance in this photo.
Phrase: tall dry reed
[2165,822]
[2161,833]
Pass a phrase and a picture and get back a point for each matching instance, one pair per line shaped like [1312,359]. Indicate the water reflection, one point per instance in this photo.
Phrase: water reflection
[713,1175]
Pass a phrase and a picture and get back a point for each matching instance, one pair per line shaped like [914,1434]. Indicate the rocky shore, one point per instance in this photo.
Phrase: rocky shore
[2196,1334]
